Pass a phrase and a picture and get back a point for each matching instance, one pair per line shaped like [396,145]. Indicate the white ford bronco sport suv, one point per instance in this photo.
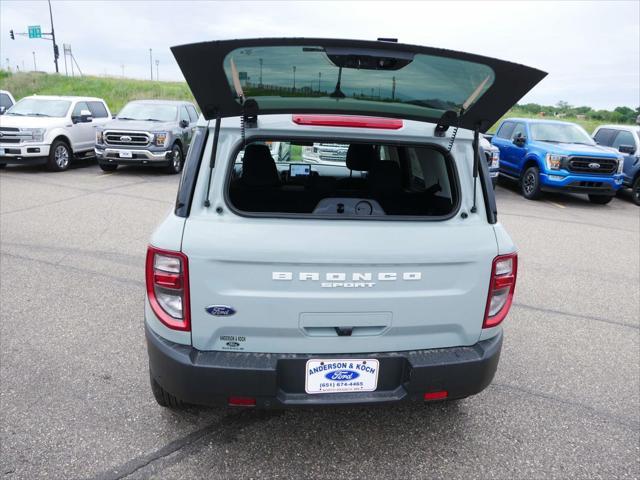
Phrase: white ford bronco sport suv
[276,284]
[51,130]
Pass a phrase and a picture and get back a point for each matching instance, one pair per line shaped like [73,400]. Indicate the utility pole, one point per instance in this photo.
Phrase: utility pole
[122,67]
[157,74]
[319,79]
[35,69]
[151,63]
[393,89]
[294,78]
[53,37]
[260,73]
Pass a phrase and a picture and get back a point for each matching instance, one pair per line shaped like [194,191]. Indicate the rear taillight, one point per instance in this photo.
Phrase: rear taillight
[167,276]
[353,121]
[501,288]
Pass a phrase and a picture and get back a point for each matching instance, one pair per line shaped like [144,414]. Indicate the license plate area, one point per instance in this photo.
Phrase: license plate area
[125,154]
[341,375]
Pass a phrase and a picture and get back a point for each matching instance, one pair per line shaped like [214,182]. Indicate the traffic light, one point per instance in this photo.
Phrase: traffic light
[56,52]
[13,37]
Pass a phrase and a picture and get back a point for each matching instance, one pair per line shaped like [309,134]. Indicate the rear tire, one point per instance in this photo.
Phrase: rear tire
[109,167]
[635,191]
[530,184]
[176,160]
[60,155]
[164,398]
[600,199]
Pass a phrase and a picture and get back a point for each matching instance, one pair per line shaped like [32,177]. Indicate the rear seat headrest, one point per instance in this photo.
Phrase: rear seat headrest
[258,167]
[385,177]
[360,157]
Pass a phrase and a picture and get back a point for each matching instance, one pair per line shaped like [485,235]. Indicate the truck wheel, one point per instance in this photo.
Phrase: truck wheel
[164,398]
[635,191]
[530,183]
[59,156]
[600,199]
[109,167]
[176,163]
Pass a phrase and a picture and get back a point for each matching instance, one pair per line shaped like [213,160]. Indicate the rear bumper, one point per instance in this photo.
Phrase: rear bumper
[277,380]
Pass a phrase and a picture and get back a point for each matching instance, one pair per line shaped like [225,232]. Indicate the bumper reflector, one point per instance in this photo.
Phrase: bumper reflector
[241,402]
[441,395]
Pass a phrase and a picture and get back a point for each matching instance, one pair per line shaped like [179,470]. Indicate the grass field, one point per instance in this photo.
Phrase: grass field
[118,91]
[588,124]
[115,91]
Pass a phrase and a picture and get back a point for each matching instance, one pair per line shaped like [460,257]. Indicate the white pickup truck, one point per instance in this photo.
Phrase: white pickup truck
[50,130]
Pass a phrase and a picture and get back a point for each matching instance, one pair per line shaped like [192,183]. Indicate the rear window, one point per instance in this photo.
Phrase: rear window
[343,180]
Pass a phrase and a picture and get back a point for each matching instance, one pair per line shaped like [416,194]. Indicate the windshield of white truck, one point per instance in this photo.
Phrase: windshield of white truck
[39,107]
[560,133]
[346,180]
[148,112]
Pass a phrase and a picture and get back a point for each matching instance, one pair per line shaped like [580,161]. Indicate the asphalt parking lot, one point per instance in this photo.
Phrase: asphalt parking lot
[75,400]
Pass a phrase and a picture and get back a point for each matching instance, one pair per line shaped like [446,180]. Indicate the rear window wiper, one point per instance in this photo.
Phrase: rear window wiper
[16,114]
[547,140]
[124,118]
[152,120]
[39,115]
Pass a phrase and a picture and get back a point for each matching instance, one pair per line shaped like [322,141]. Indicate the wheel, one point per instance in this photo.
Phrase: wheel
[109,167]
[164,398]
[600,199]
[176,163]
[635,191]
[59,156]
[530,183]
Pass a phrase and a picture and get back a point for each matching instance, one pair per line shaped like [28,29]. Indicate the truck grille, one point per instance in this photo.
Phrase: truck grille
[131,139]
[592,165]
[12,135]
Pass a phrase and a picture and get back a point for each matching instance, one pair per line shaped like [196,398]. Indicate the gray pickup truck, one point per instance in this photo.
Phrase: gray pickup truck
[147,132]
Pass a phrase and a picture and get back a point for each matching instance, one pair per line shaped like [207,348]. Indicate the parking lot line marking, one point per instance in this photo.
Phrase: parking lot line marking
[556,204]
[105,174]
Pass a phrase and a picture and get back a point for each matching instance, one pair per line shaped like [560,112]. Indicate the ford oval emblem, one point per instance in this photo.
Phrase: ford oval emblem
[594,165]
[220,310]
[125,138]
[341,375]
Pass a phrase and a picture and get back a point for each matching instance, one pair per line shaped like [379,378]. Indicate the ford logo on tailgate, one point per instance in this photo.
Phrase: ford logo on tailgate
[342,375]
[220,310]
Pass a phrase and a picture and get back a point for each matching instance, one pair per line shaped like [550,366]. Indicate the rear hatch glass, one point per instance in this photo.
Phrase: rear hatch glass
[351,77]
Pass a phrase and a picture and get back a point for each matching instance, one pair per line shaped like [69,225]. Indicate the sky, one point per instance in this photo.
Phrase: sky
[591,49]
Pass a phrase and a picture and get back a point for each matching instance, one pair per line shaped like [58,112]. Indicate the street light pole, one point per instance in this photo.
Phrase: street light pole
[157,75]
[35,69]
[151,63]
[53,37]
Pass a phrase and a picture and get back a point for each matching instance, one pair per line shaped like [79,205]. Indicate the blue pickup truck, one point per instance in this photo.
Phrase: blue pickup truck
[548,155]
